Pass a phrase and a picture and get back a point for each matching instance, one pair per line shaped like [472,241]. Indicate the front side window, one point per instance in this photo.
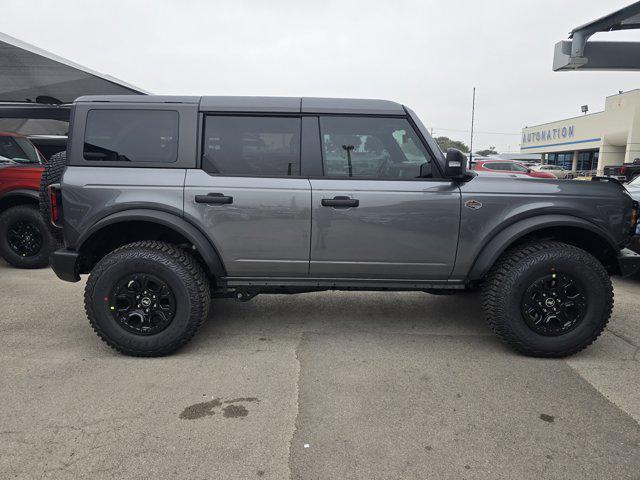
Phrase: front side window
[373,147]
[131,136]
[251,146]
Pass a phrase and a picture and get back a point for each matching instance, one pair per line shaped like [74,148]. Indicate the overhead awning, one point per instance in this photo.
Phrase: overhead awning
[31,74]
[580,54]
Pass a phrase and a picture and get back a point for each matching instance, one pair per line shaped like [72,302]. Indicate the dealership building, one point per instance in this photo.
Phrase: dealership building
[590,142]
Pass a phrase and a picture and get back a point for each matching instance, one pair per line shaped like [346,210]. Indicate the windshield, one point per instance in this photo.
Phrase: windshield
[18,149]
[635,182]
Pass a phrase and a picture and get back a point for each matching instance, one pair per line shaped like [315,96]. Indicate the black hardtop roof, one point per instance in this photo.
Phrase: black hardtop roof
[262,104]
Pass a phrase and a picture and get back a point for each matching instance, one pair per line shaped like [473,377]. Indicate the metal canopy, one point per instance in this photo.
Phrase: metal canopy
[30,74]
[578,53]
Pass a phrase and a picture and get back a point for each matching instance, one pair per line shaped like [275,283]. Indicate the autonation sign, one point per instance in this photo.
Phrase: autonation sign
[549,134]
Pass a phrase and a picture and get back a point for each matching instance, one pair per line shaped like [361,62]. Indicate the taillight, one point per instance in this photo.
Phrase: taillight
[55,200]
[623,169]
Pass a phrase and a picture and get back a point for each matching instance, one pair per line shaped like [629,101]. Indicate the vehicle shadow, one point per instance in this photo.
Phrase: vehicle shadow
[331,312]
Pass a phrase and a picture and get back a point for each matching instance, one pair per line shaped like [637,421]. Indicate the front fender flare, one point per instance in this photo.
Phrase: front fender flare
[506,237]
[204,247]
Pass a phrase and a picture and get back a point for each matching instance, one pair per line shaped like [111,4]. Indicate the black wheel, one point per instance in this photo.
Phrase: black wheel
[548,299]
[52,173]
[147,298]
[25,240]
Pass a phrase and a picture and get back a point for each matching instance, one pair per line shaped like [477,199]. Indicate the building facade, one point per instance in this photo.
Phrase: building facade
[588,143]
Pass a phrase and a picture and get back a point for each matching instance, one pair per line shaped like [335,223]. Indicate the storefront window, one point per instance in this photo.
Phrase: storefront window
[564,160]
[588,160]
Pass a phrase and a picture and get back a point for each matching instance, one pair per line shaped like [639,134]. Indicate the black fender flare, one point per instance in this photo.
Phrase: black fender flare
[507,236]
[205,248]
[22,192]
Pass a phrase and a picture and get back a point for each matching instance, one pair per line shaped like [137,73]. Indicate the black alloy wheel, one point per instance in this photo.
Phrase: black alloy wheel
[554,304]
[24,238]
[142,304]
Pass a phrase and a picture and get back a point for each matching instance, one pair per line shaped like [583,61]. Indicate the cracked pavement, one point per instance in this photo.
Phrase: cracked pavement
[326,385]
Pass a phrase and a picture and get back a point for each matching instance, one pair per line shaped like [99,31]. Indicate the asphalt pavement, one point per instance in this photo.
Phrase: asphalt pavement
[331,385]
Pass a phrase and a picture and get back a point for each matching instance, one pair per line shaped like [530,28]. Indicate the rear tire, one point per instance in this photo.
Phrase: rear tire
[25,240]
[521,306]
[127,280]
[52,173]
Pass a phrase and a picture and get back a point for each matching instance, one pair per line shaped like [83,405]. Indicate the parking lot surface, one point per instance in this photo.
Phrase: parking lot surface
[331,385]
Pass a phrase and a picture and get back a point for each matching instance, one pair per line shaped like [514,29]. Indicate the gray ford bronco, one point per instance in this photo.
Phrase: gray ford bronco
[169,202]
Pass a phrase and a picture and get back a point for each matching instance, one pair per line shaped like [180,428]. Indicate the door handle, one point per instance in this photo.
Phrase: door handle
[340,202]
[214,198]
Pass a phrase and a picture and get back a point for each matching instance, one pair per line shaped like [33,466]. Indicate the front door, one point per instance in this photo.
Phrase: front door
[379,212]
[249,197]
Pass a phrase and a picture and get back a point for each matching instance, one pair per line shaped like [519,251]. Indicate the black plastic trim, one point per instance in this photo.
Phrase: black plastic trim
[506,237]
[64,263]
[205,248]
[628,262]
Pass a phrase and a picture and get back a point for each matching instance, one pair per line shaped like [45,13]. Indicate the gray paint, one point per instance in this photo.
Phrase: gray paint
[401,229]
[602,205]
[265,231]
[404,232]
[90,194]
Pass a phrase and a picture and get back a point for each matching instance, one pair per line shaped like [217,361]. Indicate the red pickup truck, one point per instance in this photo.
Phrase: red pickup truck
[25,239]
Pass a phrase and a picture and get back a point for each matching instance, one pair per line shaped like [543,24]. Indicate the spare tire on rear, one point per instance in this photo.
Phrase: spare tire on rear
[53,171]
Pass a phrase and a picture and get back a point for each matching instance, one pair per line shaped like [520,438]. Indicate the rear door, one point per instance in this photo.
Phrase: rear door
[374,215]
[249,196]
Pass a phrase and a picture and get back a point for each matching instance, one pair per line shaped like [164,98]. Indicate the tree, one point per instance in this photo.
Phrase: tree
[445,142]
[487,151]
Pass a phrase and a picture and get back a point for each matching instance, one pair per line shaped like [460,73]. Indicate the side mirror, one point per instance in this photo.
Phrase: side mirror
[455,164]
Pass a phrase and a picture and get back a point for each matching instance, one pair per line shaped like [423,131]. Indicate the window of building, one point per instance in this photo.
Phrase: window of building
[588,160]
[131,136]
[369,147]
[563,159]
[252,146]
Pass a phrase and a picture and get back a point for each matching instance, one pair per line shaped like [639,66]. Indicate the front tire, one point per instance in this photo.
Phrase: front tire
[147,298]
[548,299]
[25,239]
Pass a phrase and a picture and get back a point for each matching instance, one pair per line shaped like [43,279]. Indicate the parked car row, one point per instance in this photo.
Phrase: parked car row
[509,166]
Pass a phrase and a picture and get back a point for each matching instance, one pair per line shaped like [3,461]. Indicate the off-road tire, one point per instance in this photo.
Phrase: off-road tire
[28,214]
[52,173]
[178,268]
[516,269]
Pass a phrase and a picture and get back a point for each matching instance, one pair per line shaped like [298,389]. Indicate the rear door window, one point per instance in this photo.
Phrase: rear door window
[131,136]
[251,146]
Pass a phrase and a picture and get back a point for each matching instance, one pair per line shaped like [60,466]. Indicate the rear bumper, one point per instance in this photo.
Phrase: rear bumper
[64,263]
[629,262]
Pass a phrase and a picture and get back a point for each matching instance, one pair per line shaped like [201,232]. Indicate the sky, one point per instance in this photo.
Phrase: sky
[427,54]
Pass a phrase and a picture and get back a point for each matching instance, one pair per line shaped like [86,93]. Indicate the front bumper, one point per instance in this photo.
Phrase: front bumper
[64,263]
[629,262]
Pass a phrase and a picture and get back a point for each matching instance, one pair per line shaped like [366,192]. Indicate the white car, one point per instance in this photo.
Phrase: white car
[556,170]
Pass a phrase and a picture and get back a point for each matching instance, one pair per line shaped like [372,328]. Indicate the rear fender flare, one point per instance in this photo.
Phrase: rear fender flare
[205,248]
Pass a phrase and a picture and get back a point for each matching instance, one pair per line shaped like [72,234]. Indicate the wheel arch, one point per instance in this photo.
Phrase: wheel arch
[129,226]
[565,228]
[20,196]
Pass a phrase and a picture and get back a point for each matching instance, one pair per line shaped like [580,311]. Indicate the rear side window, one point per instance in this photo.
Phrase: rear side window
[373,147]
[131,136]
[251,146]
